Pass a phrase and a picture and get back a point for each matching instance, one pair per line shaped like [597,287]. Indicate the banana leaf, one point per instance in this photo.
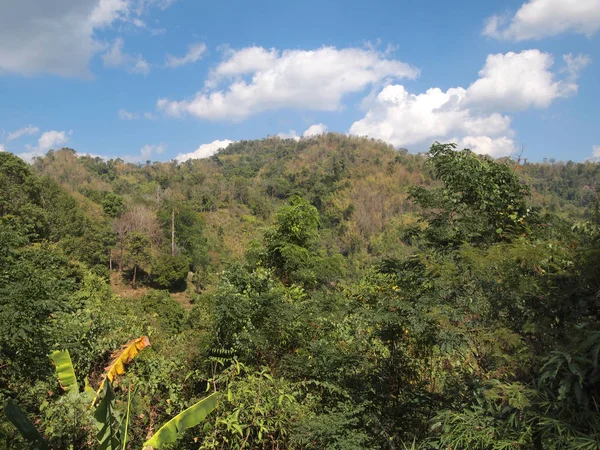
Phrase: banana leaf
[120,358]
[24,425]
[191,417]
[109,435]
[64,369]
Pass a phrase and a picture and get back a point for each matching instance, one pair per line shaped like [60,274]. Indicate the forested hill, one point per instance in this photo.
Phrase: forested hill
[358,185]
[332,292]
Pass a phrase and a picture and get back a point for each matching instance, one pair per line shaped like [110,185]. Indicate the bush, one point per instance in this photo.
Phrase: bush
[169,272]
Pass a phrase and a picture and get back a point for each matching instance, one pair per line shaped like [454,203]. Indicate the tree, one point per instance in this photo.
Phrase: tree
[288,245]
[183,227]
[170,271]
[138,252]
[139,219]
[113,205]
[481,201]
[20,197]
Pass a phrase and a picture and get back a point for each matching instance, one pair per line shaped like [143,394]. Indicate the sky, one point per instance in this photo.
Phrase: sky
[178,79]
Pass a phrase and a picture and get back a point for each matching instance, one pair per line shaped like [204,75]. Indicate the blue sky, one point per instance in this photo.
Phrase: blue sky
[160,79]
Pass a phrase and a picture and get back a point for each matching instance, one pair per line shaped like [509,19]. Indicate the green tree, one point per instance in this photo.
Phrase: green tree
[481,201]
[170,271]
[289,244]
[113,205]
[138,252]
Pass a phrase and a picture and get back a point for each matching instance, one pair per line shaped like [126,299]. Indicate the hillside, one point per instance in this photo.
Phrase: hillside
[334,292]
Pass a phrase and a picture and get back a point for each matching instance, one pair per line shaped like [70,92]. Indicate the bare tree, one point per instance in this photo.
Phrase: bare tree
[140,219]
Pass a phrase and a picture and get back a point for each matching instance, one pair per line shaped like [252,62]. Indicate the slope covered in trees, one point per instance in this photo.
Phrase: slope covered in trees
[334,292]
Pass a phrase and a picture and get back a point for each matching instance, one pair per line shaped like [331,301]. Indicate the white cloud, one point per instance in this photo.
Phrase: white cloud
[149,116]
[289,135]
[28,130]
[575,64]
[261,80]
[315,130]
[194,53]
[115,57]
[205,150]
[2,148]
[474,116]
[126,115]
[501,146]
[596,151]
[405,119]
[145,153]
[107,11]
[52,139]
[518,81]
[537,19]
[59,37]
[48,140]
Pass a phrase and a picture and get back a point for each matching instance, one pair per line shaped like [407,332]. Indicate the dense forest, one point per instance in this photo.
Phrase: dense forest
[324,293]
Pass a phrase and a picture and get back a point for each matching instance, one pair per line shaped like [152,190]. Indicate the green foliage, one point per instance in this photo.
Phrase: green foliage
[24,425]
[170,272]
[20,197]
[168,314]
[138,252]
[68,421]
[109,429]
[64,369]
[330,311]
[113,205]
[189,236]
[188,418]
[35,283]
[482,201]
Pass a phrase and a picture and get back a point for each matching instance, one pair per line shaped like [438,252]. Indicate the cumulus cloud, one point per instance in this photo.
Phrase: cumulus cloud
[518,81]
[52,139]
[475,116]
[205,150]
[596,151]
[259,80]
[29,130]
[501,146]
[315,130]
[60,36]
[48,140]
[115,57]
[405,119]
[194,53]
[289,135]
[538,19]
[2,148]
[146,152]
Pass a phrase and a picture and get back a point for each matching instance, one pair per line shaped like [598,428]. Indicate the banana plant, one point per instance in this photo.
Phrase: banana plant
[64,369]
[120,358]
[112,431]
[188,418]
[24,426]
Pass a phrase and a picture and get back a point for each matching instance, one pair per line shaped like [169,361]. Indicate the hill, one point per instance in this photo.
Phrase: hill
[334,292]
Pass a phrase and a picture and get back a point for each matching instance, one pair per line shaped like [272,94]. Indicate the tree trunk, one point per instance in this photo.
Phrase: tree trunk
[121,256]
[134,274]
[173,232]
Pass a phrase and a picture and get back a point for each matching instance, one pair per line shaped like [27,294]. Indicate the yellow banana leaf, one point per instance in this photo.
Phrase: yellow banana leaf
[120,358]
[188,418]
[64,369]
